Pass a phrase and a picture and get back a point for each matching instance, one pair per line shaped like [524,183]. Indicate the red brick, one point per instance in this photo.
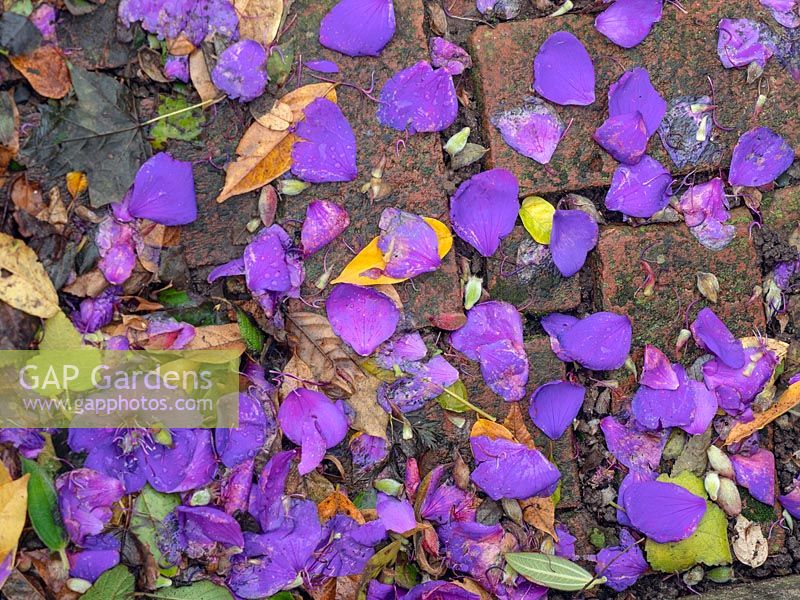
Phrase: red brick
[676,257]
[679,53]
[781,209]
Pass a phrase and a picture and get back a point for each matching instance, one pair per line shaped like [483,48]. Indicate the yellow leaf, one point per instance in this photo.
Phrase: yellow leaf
[77,183]
[485,427]
[265,154]
[537,217]
[27,286]
[372,258]
[259,20]
[13,508]
[5,476]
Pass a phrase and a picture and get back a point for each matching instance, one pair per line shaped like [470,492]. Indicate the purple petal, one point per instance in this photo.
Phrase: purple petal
[235,486]
[322,66]
[484,209]
[533,129]
[565,546]
[554,324]
[791,499]
[98,554]
[423,383]
[116,246]
[419,99]
[368,450]
[757,474]
[439,590]
[703,201]
[177,67]
[345,547]
[358,27]
[555,405]
[639,190]
[742,41]
[267,265]
[624,137]
[229,269]
[235,445]
[712,335]
[633,92]
[407,347]
[664,512]
[98,312]
[449,56]
[487,322]
[705,407]
[206,525]
[396,515]
[324,222]
[504,366]
[631,478]
[327,149]
[712,234]
[657,372]
[507,469]
[163,191]
[444,502]
[737,388]
[760,156]
[785,12]
[627,22]
[621,565]
[685,131]
[573,236]
[662,408]
[600,341]
[85,498]
[240,71]
[44,18]
[409,245]
[639,451]
[563,71]
[362,317]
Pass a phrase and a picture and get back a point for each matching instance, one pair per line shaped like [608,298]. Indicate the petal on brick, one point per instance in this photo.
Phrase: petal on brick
[326,151]
[639,190]
[419,99]
[760,156]
[627,22]
[358,27]
[563,71]
[634,92]
[533,129]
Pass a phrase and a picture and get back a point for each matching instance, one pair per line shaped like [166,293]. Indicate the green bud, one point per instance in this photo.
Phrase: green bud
[721,574]
[711,484]
[291,187]
[456,143]
[200,498]
[472,291]
[78,585]
[388,486]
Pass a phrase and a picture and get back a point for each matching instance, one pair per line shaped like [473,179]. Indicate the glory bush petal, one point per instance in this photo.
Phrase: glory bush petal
[419,99]
[362,317]
[533,129]
[85,498]
[756,473]
[409,245]
[639,190]
[324,222]
[627,22]
[507,469]
[663,511]
[573,236]
[358,27]
[759,157]
[326,151]
[555,405]
[240,71]
[563,71]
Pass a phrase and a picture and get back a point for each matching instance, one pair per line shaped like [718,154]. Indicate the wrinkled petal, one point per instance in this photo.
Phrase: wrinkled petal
[627,22]
[177,67]
[362,317]
[240,71]
[85,498]
[555,405]
[554,324]
[345,547]
[737,388]
[662,408]
[565,546]
[639,190]
[423,383]
[419,99]
[205,525]
[368,450]
[704,201]
[600,341]
[439,590]
[409,245]
[449,56]
[267,262]
[324,222]
[712,335]
[633,92]
[444,502]
[624,137]
[326,151]
[621,565]
[504,367]
[685,131]
[713,234]
[396,515]
[742,41]
[757,474]
[235,445]
[533,129]
[639,451]
[563,71]
[759,157]
[573,236]
[785,12]
[657,372]
[664,512]
[506,469]
[408,347]
[358,27]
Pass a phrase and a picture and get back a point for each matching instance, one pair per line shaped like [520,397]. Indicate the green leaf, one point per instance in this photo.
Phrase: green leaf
[150,509]
[707,545]
[279,64]
[251,333]
[172,298]
[116,584]
[456,143]
[552,572]
[43,507]
[186,126]
[455,398]
[202,590]
[470,154]
[383,558]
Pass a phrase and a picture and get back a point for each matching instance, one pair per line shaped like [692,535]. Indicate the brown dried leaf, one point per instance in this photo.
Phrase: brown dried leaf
[438,18]
[338,503]
[218,337]
[541,514]
[370,417]
[749,543]
[515,423]
[708,286]
[279,117]
[89,285]
[180,46]
[201,76]
[259,20]
[788,400]
[26,286]
[46,70]
[150,64]
[27,195]
[301,374]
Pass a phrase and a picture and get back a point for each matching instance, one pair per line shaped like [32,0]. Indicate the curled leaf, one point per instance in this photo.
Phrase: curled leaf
[27,286]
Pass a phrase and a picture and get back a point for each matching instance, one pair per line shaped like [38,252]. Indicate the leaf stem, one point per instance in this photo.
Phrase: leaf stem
[469,405]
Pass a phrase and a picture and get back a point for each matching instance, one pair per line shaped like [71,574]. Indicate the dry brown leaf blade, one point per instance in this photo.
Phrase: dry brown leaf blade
[541,514]
[46,70]
[24,284]
[201,76]
[788,400]
[337,503]
[748,542]
[515,423]
[218,337]
[259,20]
[370,417]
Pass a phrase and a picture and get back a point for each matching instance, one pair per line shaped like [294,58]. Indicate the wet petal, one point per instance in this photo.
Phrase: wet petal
[712,234]
[633,92]
[664,512]
[662,408]
[555,324]
[563,71]
[737,388]
[85,498]
[484,209]
[396,515]
[487,322]
[240,71]
[621,565]
[555,405]
[98,554]
[533,129]
[600,341]
[760,156]
[573,236]
[358,27]
[639,451]
[624,137]
[235,445]
[407,347]
[368,450]
[419,99]
[742,41]
[507,469]
[327,150]
[757,474]
[785,12]
[791,499]
[703,201]
[268,263]
[409,245]
[449,56]
[565,546]
[712,335]
[163,191]
[322,66]
[324,222]
[362,317]
[345,547]
[657,372]
[177,67]
[639,190]
[504,366]
[627,22]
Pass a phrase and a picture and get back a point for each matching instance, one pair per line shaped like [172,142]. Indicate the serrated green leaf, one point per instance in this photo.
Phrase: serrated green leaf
[251,333]
[455,398]
[552,572]
[202,590]
[115,584]
[150,509]
[43,506]
[186,126]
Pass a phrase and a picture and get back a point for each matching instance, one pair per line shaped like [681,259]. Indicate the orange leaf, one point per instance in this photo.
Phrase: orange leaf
[515,422]
[371,257]
[336,503]
[485,427]
[541,514]
[788,400]
[77,183]
[46,71]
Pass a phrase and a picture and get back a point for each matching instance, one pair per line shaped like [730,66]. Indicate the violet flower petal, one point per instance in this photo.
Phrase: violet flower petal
[409,245]
[85,497]
[240,71]
[633,92]
[396,515]
[419,99]
[326,151]
[506,469]
[407,347]
[368,450]
[177,67]
[757,474]
[533,129]
[345,547]
[555,405]
[565,546]
[268,263]
[98,554]
[621,565]
[664,512]
[737,388]
[785,12]
[657,372]
[449,56]
[742,41]
[628,22]
[504,367]
[322,66]
[662,408]
[555,324]
[362,317]
[358,27]
[235,445]
[791,499]
[600,341]
[563,71]
[624,137]
[639,451]
[324,222]
[711,334]
[573,236]
[484,209]
[639,190]
[759,157]
[487,322]
[704,201]
[439,590]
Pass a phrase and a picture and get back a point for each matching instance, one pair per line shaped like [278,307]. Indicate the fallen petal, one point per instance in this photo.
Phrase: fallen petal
[563,71]
[759,157]
[324,222]
[555,405]
[358,27]
[362,317]
[639,190]
[573,236]
[664,512]
[534,129]
[326,151]
[419,99]
[627,22]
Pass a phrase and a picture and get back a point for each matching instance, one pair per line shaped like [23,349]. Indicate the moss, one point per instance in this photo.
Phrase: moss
[756,511]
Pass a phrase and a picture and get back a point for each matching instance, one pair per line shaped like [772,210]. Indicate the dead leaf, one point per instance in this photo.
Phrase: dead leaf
[180,46]
[150,64]
[515,423]
[56,211]
[541,514]
[27,195]
[201,76]
[788,400]
[708,286]
[46,70]
[438,18]
[301,375]
[13,509]
[494,431]
[9,130]
[77,183]
[749,543]
[338,503]
[370,417]
[263,153]
[259,20]
[279,117]
[218,337]
[27,286]
[89,285]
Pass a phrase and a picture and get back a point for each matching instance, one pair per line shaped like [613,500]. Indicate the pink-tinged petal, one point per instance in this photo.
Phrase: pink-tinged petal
[555,324]
[533,129]
[600,341]
[326,151]
[563,71]
[703,201]
[507,469]
[555,405]
[759,157]
[324,222]
[163,191]
[322,66]
[627,22]
[657,372]
[737,388]
[408,347]
[409,245]
[117,263]
[713,234]
[785,12]
[633,92]
[449,56]
[624,137]
[664,512]
[573,236]
[240,71]
[712,335]
[44,18]
[358,27]
[487,322]
[177,67]
[444,502]
[637,450]
[396,515]
[504,366]
[621,565]
[419,99]
[362,317]
[639,190]
[791,499]
[757,474]
[484,209]
[685,131]
[742,41]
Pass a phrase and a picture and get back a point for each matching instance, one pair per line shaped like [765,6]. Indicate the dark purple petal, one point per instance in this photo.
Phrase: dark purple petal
[504,366]
[368,450]
[759,157]
[235,445]
[555,405]
[621,565]
[358,27]
[600,341]
[506,469]
[639,190]
[229,269]
[98,554]
[362,317]
[240,71]
[265,499]
[704,201]
[345,547]
[563,71]
[791,499]
[396,515]
[624,137]
[324,221]
[785,12]
[533,129]
[639,451]
[85,498]
[419,99]
[627,22]
[757,474]
[664,512]
[409,245]
[444,502]
[475,549]
[98,312]
[234,489]
[204,526]
[424,382]
[555,324]
[29,442]
[116,246]
[737,388]
[407,347]
[439,590]
[189,463]
[657,372]
[449,56]
[633,92]
[631,478]
[573,236]
[484,209]
[487,322]
[565,546]
[326,151]
[322,66]
[685,131]
[742,41]
[177,67]
[712,335]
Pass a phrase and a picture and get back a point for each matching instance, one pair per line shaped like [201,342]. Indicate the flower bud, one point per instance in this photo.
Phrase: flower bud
[721,574]
[711,484]
[728,497]
[720,462]
[472,291]
[291,187]
[683,337]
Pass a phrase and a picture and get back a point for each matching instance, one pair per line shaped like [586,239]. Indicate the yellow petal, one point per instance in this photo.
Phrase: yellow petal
[537,217]
[13,508]
[372,258]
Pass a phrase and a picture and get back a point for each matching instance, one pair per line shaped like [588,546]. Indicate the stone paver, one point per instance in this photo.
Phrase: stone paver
[676,257]
[680,53]
[780,588]
[534,290]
